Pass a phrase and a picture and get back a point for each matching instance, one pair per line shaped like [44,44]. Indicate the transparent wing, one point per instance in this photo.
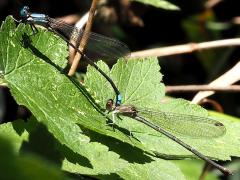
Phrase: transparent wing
[98,46]
[185,124]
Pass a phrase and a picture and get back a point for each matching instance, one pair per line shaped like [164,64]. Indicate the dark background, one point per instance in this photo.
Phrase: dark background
[142,27]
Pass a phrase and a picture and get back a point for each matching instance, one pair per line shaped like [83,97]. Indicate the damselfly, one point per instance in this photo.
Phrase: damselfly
[98,46]
[169,123]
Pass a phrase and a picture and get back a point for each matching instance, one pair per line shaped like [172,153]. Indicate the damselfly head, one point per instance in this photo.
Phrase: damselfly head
[109,105]
[24,12]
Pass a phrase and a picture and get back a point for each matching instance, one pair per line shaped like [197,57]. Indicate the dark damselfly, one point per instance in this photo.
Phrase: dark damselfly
[98,46]
[169,122]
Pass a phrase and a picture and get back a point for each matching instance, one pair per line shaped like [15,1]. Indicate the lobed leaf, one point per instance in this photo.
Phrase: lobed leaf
[32,66]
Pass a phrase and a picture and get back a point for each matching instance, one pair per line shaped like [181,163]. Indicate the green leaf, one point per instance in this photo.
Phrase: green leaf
[26,166]
[38,138]
[7,131]
[139,83]
[160,4]
[31,67]
[35,78]
[192,169]
[36,81]
[24,48]
[160,169]
[133,77]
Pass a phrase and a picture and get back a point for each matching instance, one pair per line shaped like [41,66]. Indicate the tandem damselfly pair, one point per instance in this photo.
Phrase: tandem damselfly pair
[107,48]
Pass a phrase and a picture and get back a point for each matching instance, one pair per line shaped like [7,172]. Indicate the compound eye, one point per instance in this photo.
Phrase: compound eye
[24,12]
[109,105]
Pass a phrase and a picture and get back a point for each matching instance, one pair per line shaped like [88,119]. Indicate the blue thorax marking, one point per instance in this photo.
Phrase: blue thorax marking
[39,18]
[119,100]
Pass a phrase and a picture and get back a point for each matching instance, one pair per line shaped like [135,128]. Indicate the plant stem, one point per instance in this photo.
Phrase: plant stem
[84,39]
[193,88]
[186,48]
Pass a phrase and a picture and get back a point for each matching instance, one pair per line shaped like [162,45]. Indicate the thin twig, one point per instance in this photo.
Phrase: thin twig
[194,88]
[230,77]
[84,39]
[79,25]
[186,48]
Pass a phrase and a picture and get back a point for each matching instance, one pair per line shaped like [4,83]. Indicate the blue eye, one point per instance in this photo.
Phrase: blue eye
[24,12]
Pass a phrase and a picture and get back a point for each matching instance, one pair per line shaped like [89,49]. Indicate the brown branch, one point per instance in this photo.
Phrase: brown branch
[230,77]
[84,39]
[79,24]
[186,48]
[194,88]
